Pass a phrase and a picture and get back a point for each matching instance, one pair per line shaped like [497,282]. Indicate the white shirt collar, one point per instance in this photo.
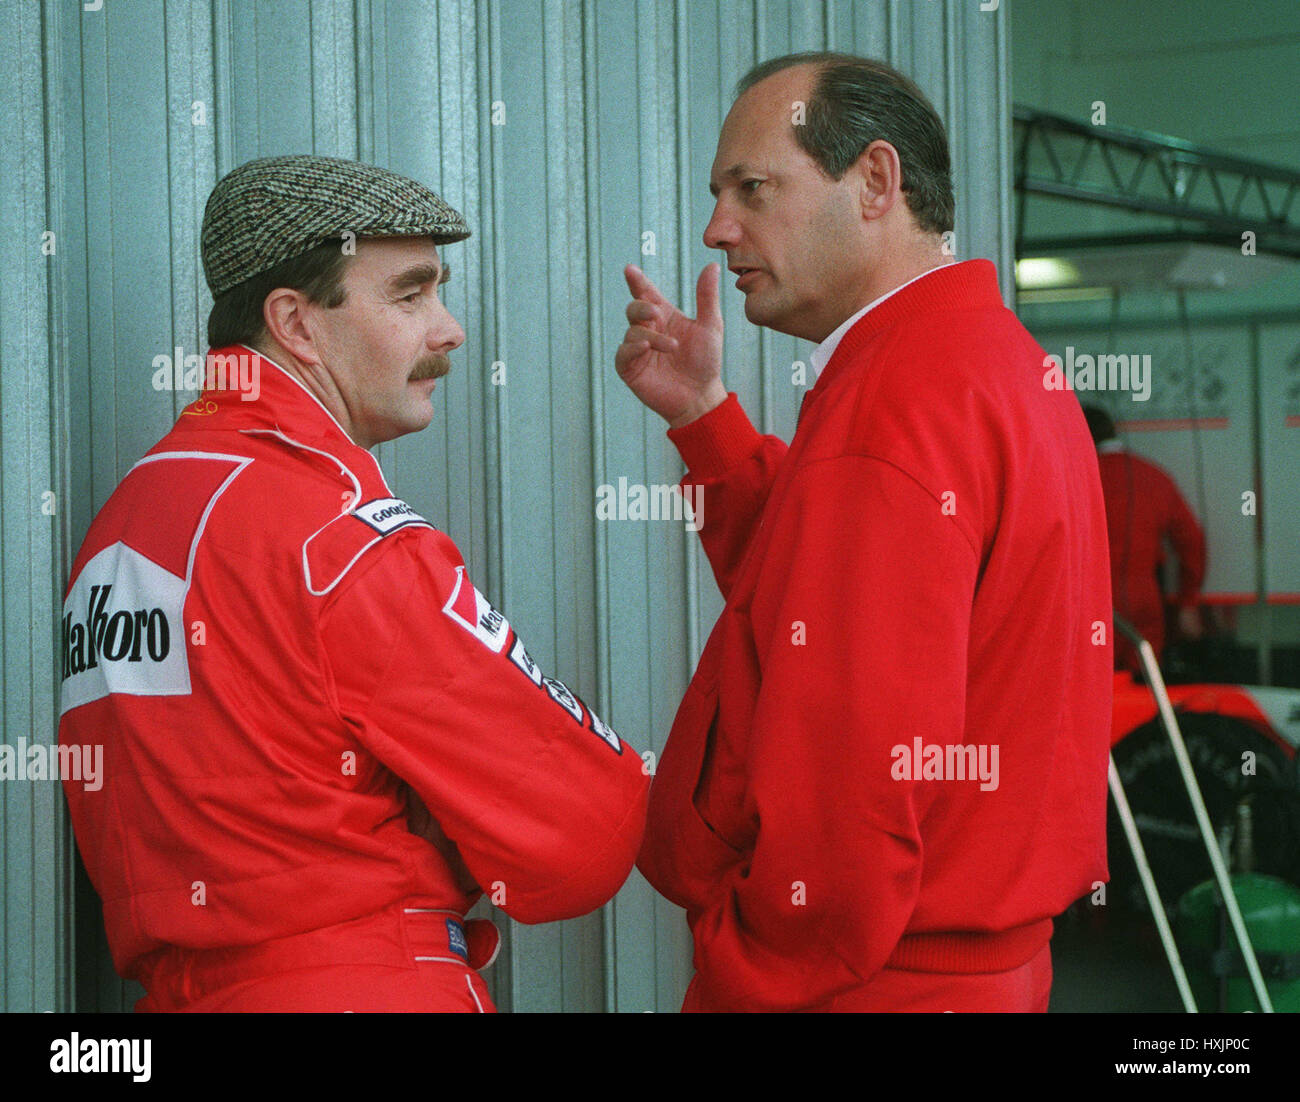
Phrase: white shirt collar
[821,355]
[1106,447]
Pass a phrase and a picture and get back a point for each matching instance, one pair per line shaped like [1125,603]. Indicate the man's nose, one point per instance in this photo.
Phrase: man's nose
[445,333]
[722,229]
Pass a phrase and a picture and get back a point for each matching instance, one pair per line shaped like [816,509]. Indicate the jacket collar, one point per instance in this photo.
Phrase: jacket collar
[821,355]
[262,399]
[971,284]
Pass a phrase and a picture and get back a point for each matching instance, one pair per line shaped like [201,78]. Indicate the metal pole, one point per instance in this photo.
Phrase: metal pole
[1198,806]
[1149,886]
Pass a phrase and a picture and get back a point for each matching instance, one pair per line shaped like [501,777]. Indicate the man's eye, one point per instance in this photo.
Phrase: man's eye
[412,296]
[750,186]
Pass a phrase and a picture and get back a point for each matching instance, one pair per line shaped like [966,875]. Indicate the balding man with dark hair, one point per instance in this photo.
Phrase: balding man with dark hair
[889,771]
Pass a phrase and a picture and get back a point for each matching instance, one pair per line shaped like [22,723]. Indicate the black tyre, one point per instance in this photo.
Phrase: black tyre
[1218,747]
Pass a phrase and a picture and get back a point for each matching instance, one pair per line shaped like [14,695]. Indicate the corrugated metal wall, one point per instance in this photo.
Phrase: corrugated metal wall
[576,137]
[36,848]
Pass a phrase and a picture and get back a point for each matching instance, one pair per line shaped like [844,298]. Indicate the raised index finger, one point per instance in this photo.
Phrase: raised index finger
[641,287]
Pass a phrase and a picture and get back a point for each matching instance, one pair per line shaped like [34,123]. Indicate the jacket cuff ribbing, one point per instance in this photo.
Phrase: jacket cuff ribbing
[721,439]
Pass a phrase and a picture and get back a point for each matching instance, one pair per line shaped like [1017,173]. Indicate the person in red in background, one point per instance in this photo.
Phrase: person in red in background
[322,744]
[1144,510]
[920,575]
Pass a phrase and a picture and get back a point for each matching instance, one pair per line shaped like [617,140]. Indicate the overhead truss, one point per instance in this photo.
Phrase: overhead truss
[1214,196]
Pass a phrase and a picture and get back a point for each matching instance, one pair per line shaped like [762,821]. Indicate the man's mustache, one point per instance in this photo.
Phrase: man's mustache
[434,367]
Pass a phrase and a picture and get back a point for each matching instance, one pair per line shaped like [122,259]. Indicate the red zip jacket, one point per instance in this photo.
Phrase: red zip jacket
[275,654]
[1143,508]
[924,569]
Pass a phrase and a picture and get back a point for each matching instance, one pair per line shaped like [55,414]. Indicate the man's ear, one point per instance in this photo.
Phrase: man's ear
[880,176]
[287,316]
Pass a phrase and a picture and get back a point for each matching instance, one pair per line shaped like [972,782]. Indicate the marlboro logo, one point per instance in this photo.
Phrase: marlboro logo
[474,612]
[122,630]
[113,634]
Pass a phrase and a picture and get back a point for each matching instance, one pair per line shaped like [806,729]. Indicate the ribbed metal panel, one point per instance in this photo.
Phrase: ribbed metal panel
[611,114]
[35,937]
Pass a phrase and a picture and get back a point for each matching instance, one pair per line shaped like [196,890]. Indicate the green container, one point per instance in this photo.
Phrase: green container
[1270,907]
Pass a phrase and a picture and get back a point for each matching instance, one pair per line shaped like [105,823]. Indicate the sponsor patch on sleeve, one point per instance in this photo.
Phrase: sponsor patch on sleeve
[559,692]
[521,658]
[605,731]
[474,612]
[388,514]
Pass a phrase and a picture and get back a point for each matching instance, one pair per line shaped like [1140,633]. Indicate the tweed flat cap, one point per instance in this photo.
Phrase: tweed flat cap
[271,209]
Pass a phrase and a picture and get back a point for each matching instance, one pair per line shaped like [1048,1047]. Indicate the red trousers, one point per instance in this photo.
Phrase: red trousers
[409,957]
[893,990]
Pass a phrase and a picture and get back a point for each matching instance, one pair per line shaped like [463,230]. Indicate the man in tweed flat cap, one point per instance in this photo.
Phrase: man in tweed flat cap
[322,744]
[277,234]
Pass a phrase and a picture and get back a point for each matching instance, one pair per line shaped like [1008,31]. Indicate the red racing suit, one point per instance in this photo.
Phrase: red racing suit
[283,663]
[1143,509]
